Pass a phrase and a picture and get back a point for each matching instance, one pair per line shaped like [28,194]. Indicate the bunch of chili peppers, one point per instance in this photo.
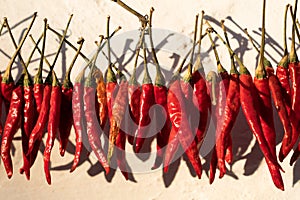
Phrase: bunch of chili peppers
[98,104]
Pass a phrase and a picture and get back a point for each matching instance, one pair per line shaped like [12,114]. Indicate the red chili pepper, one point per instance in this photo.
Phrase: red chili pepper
[249,101]
[231,111]
[78,117]
[179,119]
[1,100]
[220,109]
[28,116]
[38,130]
[201,98]
[160,95]
[53,123]
[288,143]
[7,83]
[146,102]
[134,95]
[213,165]
[116,133]
[171,149]
[66,120]
[93,127]
[11,126]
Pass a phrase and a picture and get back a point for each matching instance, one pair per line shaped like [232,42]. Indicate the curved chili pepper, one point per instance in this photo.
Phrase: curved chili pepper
[160,95]
[66,120]
[1,100]
[53,123]
[146,102]
[116,133]
[93,127]
[78,117]
[11,126]
[201,98]
[179,119]
[171,149]
[292,104]
[101,98]
[248,98]
[134,95]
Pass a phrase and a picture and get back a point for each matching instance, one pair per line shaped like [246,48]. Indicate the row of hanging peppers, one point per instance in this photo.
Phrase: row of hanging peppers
[96,105]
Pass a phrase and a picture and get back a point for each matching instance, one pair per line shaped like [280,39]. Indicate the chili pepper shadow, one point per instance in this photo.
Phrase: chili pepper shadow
[71,149]
[296,172]
[17,24]
[168,177]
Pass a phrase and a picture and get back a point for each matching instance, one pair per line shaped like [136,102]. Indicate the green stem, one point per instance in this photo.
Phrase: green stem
[67,81]
[159,80]
[219,65]
[188,75]
[38,77]
[40,52]
[293,55]
[267,63]
[16,46]
[132,80]
[198,64]
[260,70]
[7,77]
[295,25]
[285,59]
[48,79]
[147,78]
[243,69]
[233,69]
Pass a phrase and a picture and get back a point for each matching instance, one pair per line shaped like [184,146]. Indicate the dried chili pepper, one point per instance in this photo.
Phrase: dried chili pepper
[293,68]
[160,95]
[201,98]
[248,98]
[146,102]
[261,82]
[12,125]
[93,127]
[53,123]
[219,111]
[28,116]
[7,84]
[134,94]
[102,102]
[116,134]
[231,111]
[173,141]
[66,120]
[38,130]
[179,119]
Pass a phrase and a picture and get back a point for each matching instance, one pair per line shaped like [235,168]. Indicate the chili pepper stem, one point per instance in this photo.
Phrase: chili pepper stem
[293,56]
[233,69]
[7,77]
[198,64]
[143,19]
[285,59]
[159,79]
[38,77]
[67,81]
[243,69]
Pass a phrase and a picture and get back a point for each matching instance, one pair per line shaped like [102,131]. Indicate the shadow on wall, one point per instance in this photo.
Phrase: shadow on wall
[241,135]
